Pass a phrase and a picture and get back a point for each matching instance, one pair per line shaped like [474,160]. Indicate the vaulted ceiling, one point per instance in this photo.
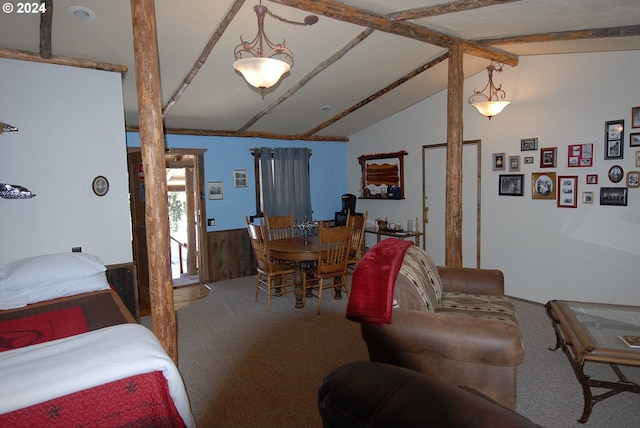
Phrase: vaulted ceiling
[363,60]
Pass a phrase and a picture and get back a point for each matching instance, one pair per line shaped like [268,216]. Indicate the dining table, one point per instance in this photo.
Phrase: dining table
[298,250]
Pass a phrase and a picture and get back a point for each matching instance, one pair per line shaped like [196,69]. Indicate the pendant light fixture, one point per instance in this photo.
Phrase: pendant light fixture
[492,104]
[256,61]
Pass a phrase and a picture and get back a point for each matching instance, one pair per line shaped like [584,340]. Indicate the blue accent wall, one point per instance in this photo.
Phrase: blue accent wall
[328,169]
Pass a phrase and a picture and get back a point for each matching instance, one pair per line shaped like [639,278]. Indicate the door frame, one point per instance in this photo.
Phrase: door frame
[201,214]
[425,208]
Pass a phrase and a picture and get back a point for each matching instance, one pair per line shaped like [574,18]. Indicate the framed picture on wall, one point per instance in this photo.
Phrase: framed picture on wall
[514,163]
[635,117]
[613,196]
[511,185]
[215,190]
[633,179]
[592,178]
[499,162]
[240,178]
[587,197]
[543,185]
[614,139]
[548,157]
[567,191]
[527,144]
[580,155]
[634,139]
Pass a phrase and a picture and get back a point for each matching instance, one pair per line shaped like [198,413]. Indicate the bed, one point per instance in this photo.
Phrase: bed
[71,354]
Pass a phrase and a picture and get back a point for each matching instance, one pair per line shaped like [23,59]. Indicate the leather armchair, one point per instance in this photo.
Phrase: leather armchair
[374,395]
[480,353]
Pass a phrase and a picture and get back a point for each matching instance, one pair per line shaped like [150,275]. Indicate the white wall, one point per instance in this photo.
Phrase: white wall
[71,129]
[588,253]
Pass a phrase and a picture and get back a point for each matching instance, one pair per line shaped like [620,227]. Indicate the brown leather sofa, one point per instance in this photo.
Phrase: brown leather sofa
[466,334]
[374,395]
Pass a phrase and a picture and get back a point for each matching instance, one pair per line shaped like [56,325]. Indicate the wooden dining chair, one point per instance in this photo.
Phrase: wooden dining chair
[330,271]
[359,223]
[279,227]
[273,278]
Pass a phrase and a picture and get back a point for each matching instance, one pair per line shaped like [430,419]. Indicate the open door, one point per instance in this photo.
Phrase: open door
[185,184]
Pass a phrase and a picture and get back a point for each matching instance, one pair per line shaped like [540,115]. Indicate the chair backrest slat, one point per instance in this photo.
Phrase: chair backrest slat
[333,249]
[279,227]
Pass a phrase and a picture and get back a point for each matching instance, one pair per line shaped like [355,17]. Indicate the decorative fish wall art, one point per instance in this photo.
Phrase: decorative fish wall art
[12,191]
[5,127]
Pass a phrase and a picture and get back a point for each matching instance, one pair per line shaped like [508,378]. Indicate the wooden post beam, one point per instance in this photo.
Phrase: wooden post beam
[444,8]
[46,21]
[340,11]
[145,45]
[453,208]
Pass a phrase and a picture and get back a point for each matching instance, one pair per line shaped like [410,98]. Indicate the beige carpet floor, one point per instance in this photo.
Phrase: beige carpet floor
[246,367]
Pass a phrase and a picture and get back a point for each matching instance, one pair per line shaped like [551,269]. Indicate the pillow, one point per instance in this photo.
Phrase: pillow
[10,299]
[420,271]
[50,269]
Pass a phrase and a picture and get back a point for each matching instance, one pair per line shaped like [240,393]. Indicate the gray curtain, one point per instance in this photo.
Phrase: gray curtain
[285,182]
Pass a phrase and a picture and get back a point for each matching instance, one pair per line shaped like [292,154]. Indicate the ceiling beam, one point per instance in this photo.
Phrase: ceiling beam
[594,33]
[60,60]
[444,8]
[313,73]
[339,11]
[245,134]
[235,7]
[46,21]
[409,76]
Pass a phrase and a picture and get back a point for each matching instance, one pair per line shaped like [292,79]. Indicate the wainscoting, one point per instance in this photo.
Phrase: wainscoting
[230,255]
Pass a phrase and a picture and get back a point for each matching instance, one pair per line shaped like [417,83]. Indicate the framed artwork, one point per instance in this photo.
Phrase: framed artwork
[511,185]
[633,179]
[215,190]
[614,139]
[592,178]
[514,163]
[548,157]
[567,191]
[587,197]
[637,157]
[528,159]
[499,161]
[613,196]
[240,178]
[543,185]
[616,173]
[100,185]
[635,117]
[580,155]
[634,139]
[527,144]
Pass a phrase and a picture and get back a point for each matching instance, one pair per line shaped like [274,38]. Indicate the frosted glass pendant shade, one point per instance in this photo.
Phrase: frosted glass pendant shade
[261,73]
[490,108]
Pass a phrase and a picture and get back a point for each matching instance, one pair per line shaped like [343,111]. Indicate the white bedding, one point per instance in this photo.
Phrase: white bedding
[39,373]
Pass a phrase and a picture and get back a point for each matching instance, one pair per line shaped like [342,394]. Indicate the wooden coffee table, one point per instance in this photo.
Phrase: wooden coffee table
[590,332]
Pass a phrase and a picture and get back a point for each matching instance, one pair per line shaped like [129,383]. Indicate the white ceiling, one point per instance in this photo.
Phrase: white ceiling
[218,98]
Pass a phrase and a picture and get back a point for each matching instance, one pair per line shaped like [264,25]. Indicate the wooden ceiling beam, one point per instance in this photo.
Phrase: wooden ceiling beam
[380,93]
[313,73]
[444,8]
[60,60]
[594,33]
[244,134]
[235,7]
[339,11]
[46,22]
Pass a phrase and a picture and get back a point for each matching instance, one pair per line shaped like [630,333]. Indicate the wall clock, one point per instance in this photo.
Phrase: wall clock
[100,185]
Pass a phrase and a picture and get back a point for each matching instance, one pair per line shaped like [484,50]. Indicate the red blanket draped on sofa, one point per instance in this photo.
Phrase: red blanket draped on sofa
[373,282]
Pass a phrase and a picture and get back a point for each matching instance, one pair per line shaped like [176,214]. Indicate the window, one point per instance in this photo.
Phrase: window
[282,181]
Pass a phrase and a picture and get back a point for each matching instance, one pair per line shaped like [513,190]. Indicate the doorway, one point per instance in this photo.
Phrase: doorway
[187,211]
[434,171]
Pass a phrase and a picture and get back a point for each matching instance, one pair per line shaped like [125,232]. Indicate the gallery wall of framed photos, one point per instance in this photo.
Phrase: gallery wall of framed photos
[566,173]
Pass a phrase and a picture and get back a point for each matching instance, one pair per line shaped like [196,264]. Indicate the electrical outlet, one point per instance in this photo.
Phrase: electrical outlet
[211,222]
